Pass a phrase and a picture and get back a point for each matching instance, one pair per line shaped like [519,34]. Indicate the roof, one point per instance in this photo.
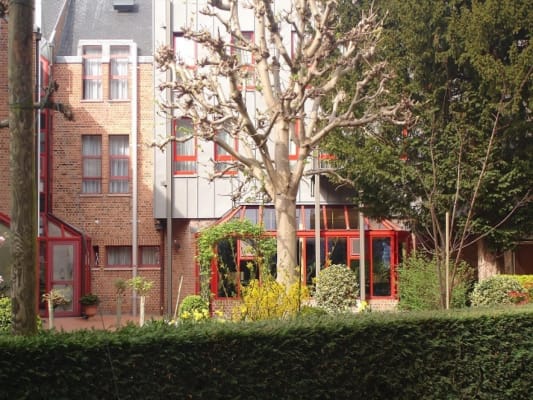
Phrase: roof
[99,20]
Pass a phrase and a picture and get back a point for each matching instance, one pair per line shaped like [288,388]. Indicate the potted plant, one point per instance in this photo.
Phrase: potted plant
[89,304]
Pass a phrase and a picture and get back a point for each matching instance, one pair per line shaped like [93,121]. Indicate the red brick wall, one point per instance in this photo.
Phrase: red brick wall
[105,218]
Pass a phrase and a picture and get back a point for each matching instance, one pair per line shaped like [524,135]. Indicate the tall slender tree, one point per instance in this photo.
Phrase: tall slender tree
[296,85]
[22,167]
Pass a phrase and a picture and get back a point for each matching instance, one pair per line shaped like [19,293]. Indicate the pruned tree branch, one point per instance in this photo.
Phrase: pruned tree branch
[48,103]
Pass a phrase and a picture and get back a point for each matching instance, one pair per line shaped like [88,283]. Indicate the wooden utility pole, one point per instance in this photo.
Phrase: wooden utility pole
[22,166]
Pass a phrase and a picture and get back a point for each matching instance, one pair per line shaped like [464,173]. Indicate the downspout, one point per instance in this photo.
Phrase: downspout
[169,176]
[134,186]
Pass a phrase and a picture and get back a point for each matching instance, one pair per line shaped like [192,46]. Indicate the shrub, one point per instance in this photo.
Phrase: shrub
[526,281]
[268,299]
[418,284]
[419,288]
[193,308]
[308,311]
[495,290]
[337,288]
[5,314]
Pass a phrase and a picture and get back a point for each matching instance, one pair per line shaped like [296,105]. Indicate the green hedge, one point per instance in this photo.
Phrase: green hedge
[470,355]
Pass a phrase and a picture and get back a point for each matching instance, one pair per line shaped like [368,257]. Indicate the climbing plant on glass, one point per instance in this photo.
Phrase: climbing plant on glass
[262,247]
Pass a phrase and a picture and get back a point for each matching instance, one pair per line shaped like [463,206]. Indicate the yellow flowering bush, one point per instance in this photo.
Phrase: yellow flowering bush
[269,300]
[194,309]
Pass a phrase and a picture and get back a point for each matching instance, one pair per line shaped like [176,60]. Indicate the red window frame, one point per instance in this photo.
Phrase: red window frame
[180,154]
[157,250]
[222,157]
[87,77]
[116,178]
[126,249]
[123,53]
[84,157]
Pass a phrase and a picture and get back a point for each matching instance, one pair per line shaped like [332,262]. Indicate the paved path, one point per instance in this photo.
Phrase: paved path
[99,321]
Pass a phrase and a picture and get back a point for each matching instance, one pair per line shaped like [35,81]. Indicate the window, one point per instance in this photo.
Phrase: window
[185,156]
[325,160]
[118,73]
[381,266]
[185,50]
[223,159]
[92,164]
[235,266]
[92,73]
[149,256]
[119,164]
[119,256]
[246,59]
[294,138]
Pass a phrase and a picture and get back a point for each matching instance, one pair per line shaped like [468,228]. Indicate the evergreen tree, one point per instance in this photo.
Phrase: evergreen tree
[467,65]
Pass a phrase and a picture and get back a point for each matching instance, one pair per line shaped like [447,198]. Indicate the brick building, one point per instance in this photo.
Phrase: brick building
[114,207]
[95,172]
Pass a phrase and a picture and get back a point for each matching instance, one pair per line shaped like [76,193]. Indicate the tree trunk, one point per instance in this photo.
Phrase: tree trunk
[141,311]
[486,261]
[119,310]
[22,166]
[287,263]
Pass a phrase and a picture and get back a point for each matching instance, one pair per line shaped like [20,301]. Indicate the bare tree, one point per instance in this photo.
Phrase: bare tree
[299,84]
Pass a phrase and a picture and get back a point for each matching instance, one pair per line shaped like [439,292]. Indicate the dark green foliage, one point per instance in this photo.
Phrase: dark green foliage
[337,288]
[472,355]
[467,65]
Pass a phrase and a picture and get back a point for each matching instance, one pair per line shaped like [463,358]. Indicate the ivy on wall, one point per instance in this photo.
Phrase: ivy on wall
[263,247]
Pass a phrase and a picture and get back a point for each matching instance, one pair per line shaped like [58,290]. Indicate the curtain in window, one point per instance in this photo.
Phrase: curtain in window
[119,255]
[150,255]
[119,163]
[92,163]
[119,73]
[185,152]
[92,72]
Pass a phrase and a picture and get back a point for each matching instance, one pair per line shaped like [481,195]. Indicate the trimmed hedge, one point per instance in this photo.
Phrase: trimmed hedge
[475,355]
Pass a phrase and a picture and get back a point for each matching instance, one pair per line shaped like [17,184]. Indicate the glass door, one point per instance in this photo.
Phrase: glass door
[63,272]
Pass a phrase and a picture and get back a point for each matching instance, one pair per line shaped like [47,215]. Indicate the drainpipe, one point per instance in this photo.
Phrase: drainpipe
[134,188]
[168,169]
[362,261]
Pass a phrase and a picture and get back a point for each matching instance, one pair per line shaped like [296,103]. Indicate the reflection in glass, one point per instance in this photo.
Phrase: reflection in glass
[381,268]
[337,250]
[63,259]
[226,268]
